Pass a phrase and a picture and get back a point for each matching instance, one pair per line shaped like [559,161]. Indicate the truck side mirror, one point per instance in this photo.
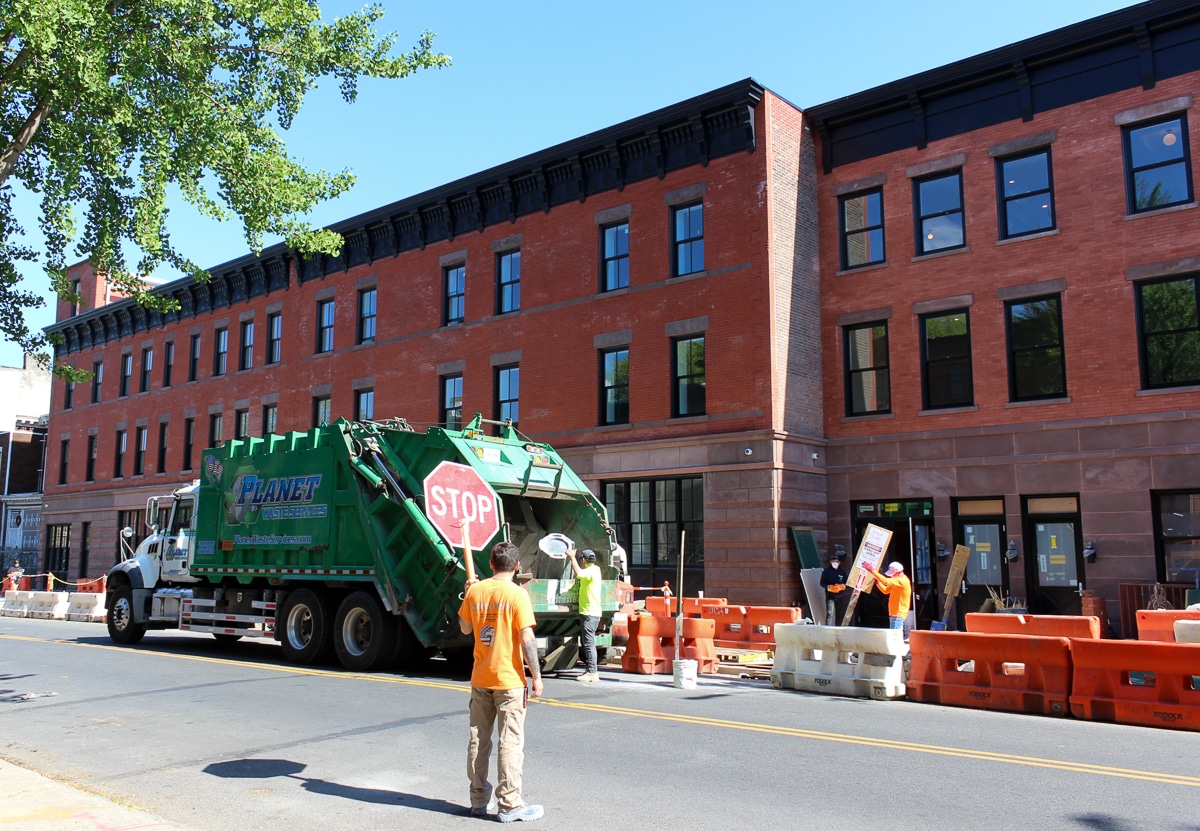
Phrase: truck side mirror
[127,532]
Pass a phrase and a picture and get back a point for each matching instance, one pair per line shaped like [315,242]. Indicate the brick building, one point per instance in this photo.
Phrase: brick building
[961,305]
[644,298]
[1009,252]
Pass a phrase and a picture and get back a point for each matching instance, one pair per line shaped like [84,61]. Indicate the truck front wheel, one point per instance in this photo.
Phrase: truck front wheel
[122,627]
[306,627]
[364,633]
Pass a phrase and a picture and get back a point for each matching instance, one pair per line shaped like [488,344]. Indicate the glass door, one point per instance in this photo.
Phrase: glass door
[1054,561]
[979,524]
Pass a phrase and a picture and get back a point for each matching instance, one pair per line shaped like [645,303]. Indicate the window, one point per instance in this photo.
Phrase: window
[97,381]
[650,516]
[241,424]
[64,457]
[324,326]
[862,228]
[119,455]
[687,370]
[93,447]
[1036,364]
[75,284]
[614,386]
[939,209]
[85,548]
[270,418]
[687,239]
[246,351]
[1157,172]
[220,351]
[614,244]
[322,410]
[194,359]
[454,279]
[139,451]
[364,405]
[508,388]
[68,394]
[58,550]
[1026,194]
[508,282]
[946,360]
[452,391]
[1177,536]
[216,426]
[189,442]
[366,316]
[163,429]
[147,366]
[1169,326]
[168,362]
[274,338]
[868,380]
[126,374]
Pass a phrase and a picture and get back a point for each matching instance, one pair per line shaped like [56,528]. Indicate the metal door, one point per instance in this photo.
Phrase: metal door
[987,567]
[1054,565]
[912,547]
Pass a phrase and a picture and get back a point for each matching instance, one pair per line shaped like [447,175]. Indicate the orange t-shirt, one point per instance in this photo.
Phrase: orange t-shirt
[899,592]
[497,610]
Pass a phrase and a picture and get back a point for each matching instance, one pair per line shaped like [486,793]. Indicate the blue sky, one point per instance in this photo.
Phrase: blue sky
[528,75]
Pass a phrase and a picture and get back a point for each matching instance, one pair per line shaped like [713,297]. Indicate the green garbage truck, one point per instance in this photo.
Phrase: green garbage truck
[347,540]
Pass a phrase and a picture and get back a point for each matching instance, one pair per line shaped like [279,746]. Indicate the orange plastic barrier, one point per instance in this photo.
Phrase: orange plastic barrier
[1050,626]
[993,681]
[1159,624]
[651,647]
[1137,682]
[666,606]
[761,620]
[96,586]
[732,630]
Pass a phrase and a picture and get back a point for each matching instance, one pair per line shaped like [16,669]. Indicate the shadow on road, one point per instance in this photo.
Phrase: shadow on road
[287,769]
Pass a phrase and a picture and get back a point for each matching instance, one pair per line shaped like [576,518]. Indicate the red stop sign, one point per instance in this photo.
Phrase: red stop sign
[455,494]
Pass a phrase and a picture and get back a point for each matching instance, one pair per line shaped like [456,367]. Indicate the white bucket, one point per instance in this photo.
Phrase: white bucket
[684,674]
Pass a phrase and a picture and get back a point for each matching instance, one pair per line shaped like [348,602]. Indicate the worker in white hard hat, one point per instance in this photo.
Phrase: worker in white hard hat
[895,584]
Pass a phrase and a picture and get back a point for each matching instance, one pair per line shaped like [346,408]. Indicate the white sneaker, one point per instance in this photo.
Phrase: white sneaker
[588,678]
[525,813]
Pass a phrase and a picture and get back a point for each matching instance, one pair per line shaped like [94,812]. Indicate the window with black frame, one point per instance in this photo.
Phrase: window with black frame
[614,242]
[508,393]
[508,282]
[939,210]
[452,403]
[688,370]
[1157,169]
[614,386]
[1177,528]
[220,351]
[946,360]
[1036,359]
[246,349]
[325,319]
[862,228]
[868,380]
[650,517]
[367,299]
[454,280]
[1169,327]
[687,239]
[1026,194]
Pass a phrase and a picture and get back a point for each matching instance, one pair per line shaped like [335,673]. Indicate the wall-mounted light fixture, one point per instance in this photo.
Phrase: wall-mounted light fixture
[839,551]
[1089,551]
[941,550]
[1012,554]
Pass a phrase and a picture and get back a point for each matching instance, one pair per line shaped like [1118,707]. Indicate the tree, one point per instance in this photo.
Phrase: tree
[105,106]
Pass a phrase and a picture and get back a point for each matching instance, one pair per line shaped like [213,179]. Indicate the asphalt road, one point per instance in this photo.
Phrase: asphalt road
[221,738]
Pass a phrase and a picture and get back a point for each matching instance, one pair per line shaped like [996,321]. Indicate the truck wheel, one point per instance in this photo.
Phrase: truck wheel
[122,627]
[364,633]
[306,631]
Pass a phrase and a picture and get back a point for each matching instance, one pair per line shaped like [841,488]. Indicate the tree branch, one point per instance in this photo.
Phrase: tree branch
[8,159]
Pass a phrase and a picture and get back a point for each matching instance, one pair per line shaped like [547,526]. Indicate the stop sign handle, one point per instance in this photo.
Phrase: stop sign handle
[468,559]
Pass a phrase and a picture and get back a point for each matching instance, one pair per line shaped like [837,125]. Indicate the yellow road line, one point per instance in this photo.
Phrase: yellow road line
[699,721]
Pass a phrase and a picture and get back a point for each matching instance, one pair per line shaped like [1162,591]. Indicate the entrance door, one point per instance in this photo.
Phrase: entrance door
[911,524]
[1054,561]
[979,524]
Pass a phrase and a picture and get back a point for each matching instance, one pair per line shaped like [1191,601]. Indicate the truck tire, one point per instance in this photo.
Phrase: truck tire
[364,633]
[122,627]
[307,629]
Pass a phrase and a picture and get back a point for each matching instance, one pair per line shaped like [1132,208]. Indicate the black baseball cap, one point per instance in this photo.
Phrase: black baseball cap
[587,554]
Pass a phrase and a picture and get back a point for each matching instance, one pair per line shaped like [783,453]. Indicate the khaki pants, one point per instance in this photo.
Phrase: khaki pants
[508,707]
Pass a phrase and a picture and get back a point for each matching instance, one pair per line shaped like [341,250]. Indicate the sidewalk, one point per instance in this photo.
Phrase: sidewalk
[32,802]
